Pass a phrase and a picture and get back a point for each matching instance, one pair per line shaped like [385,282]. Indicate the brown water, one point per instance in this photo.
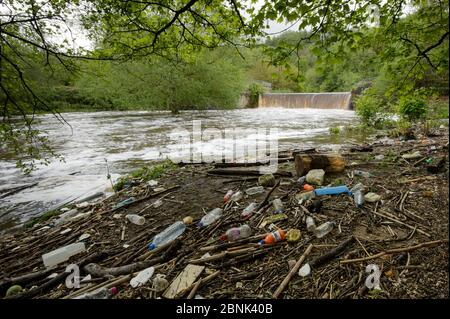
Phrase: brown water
[130,139]
[335,100]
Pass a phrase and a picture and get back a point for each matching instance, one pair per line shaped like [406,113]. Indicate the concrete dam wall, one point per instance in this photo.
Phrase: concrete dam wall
[335,100]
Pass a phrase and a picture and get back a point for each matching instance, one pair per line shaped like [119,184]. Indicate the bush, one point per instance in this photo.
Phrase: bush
[412,108]
[369,108]
[255,90]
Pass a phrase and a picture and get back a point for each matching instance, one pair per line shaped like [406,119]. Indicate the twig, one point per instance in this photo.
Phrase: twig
[395,251]
[292,272]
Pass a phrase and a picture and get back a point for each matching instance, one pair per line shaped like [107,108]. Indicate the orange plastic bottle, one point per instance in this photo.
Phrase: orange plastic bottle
[273,237]
[308,187]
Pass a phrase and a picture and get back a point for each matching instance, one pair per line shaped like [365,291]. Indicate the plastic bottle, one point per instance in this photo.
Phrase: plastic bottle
[273,237]
[142,277]
[336,190]
[125,202]
[358,195]
[236,233]
[167,235]
[301,180]
[103,293]
[308,187]
[254,190]
[211,217]
[248,211]
[278,205]
[62,254]
[324,229]
[135,219]
[310,224]
[227,196]
[237,196]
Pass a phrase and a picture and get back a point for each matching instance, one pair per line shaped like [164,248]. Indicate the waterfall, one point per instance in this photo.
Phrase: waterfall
[331,100]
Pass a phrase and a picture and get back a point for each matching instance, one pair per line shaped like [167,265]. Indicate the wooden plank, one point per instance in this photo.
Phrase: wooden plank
[331,163]
[184,280]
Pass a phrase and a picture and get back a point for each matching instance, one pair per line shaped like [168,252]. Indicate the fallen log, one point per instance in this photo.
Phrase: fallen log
[331,163]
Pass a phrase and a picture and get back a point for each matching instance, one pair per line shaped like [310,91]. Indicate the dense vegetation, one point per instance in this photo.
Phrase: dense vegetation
[198,54]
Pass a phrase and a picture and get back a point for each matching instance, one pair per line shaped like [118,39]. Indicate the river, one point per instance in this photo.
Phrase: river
[129,139]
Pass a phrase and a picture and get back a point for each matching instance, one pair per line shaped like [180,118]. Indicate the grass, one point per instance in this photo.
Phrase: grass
[335,130]
[144,174]
[43,218]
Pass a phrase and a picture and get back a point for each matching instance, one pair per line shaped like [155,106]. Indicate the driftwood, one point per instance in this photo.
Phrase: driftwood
[396,251]
[225,171]
[331,253]
[250,164]
[223,255]
[292,272]
[331,163]
[98,271]
[54,281]
[266,199]
[196,285]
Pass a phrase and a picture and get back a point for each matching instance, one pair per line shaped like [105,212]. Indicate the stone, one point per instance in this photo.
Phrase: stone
[372,197]
[315,176]
[266,180]
[14,290]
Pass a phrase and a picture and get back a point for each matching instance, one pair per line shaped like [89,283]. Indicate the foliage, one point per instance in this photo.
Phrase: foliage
[255,90]
[371,109]
[335,130]
[144,174]
[412,108]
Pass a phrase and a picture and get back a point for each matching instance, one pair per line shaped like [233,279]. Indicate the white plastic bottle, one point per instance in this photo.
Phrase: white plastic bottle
[167,235]
[237,196]
[103,293]
[254,190]
[249,210]
[135,219]
[211,217]
[236,233]
[62,254]
[324,229]
[310,224]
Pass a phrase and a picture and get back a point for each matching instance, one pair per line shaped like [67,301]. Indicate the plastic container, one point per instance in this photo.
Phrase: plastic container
[301,180]
[236,233]
[102,293]
[167,235]
[249,210]
[310,224]
[358,198]
[278,205]
[211,217]
[324,229]
[125,202]
[274,237]
[336,190]
[228,195]
[63,218]
[358,194]
[237,196]
[304,196]
[142,277]
[254,190]
[135,219]
[308,187]
[62,254]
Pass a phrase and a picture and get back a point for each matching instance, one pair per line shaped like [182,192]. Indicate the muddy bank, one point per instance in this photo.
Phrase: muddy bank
[405,234]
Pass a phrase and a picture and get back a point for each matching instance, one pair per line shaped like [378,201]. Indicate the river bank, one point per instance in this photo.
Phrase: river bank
[405,233]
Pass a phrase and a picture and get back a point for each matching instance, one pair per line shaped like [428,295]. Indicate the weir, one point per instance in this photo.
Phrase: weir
[332,100]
